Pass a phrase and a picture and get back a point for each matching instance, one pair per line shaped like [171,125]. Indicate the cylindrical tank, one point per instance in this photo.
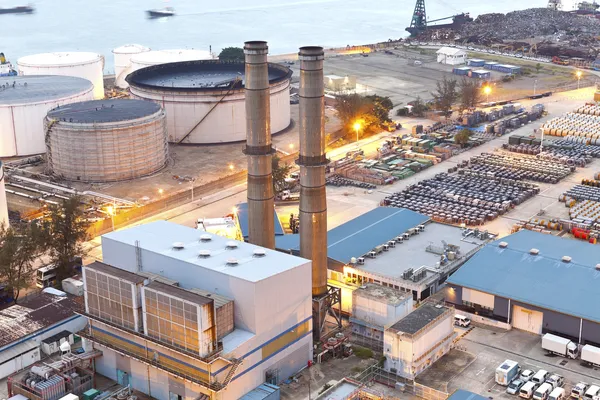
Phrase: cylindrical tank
[122,56]
[25,101]
[3,205]
[158,57]
[85,65]
[204,100]
[106,140]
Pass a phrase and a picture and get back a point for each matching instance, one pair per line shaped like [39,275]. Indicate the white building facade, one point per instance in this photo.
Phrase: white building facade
[451,56]
[272,314]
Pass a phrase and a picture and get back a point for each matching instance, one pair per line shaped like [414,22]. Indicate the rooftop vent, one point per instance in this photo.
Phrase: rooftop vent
[260,252]
[534,252]
[231,245]
[204,253]
[232,261]
[566,259]
[205,238]
[178,246]
[503,245]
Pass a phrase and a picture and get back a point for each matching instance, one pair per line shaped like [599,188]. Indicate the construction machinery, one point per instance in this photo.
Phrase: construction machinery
[560,60]
[420,24]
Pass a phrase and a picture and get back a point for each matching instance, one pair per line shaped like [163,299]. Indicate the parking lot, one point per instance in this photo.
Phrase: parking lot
[472,364]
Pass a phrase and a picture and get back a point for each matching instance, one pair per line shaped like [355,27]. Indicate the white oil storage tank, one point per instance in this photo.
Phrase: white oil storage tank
[24,103]
[123,56]
[85,65]
[106,140]
[3,204]
[205,100]
[158,57]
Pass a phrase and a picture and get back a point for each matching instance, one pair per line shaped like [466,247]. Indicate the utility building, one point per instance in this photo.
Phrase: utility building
[535,282]
[415,342]
[204,317]
[451,56]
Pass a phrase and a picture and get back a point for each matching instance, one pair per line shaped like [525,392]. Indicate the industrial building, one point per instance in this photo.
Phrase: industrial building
[451,56]
[373,308]
[525,280]
[416,341]
[122,60]
[84,65]
[205,100]
[24,326]
[3,203]
[24,104]
[224,318]
[106,140]
[395,247]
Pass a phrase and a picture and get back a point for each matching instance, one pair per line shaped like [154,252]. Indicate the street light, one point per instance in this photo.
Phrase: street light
[291,146]
[160,191]
[578,73]
[357,128]
[487,90]
[111,211]
[231,167]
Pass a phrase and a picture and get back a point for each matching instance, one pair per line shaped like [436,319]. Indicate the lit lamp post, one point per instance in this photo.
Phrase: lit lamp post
[357,128]
[111,211]
[231,167]
[487,90]
[578,73]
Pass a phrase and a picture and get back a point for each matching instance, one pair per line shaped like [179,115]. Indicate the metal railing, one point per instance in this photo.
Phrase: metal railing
[376,374]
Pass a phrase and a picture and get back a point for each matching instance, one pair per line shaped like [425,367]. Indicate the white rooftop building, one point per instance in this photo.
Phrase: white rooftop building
[200,356]
[451,56]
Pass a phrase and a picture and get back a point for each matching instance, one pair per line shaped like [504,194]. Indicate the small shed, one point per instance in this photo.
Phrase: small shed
[481,74]
[462,71]
[451,56]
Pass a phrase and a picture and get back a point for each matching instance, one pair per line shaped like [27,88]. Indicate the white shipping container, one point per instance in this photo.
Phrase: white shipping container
[590,354]
[73,286]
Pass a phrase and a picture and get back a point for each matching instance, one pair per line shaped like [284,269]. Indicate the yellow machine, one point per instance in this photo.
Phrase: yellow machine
[2,58]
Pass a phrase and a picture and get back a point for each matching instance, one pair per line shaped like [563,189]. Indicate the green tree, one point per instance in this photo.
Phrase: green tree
[280,172]
[18,251]
[232,54]
[381,107]
[418,107]
[470,94]
[445,95]
[462,137]
[64,232]
[370,112]
[538,67]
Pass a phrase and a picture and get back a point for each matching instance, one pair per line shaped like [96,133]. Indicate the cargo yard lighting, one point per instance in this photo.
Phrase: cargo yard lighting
[231,167]
[160,191]
[357,128]
[578,73]
[111,211]
[487,90]
[291,146]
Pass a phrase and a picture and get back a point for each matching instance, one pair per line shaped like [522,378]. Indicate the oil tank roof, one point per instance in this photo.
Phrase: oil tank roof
[104,111]
[199,75]
[59,59]
[168,56]
[131,49]
[34,89]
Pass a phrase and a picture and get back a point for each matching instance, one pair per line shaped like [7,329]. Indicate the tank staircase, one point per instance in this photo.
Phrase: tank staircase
[47,141]
[232,85]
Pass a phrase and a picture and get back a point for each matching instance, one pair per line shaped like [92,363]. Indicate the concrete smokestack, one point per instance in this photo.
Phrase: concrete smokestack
[261,199]
[312,161]
[3,205]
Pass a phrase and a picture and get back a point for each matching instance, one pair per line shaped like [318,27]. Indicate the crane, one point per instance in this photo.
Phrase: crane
[419,22]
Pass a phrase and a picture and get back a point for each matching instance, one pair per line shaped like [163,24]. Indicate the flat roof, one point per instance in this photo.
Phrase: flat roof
[412,253]
[109,110]
[242,216]
[220,300]
[32,314]
[382,294]
[461,394]
[116,272]
[179,293]
[57,59]
[160,236]
[450,51]
[419,318]
[40,88]
[340,391]
[360,235]
[199,75]
[538,280]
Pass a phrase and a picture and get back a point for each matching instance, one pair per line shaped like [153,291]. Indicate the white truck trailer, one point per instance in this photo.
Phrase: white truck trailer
[560,346]
[591,355]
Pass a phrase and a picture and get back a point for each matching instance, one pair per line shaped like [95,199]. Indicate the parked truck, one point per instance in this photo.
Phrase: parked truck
[506,372]
[560,346]
[286,195]
[591,355]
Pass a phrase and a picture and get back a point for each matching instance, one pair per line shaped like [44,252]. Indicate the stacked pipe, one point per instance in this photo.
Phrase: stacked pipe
[261,199]
[3,204]
[580,193]
[520,167]
[566,156]
[312,161]
[573,124]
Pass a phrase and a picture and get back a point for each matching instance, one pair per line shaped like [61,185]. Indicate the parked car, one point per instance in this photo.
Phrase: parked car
[579,390]
[542,392]
[515,386]
[556,381]
[528,389]
[526,375]
[557,394]
[540,376]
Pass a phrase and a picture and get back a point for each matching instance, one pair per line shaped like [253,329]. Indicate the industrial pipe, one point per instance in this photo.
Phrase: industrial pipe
[312,161]
[261,199]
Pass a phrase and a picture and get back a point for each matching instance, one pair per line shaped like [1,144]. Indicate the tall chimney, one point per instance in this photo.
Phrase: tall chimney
[261,202]
[312,161]
[3,205]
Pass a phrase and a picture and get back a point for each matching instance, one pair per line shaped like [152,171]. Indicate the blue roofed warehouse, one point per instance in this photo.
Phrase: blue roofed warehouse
[537,283]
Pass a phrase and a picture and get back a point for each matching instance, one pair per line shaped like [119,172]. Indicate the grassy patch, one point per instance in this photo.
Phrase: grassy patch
[362,353]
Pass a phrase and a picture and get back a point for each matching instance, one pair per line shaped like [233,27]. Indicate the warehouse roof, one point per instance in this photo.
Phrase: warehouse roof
[450,51]
[242,216]
[32,314]
[220,254]
[360,235]
[109,110]
[419,318]
[538,280]
[33,89]
[465,395]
